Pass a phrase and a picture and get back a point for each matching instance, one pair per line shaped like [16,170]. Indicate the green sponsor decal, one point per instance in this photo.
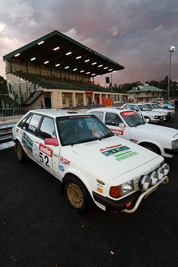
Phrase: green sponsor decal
[125,155]
[27,142]
[114,150]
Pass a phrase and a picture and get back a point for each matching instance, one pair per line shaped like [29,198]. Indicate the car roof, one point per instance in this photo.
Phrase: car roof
[57,112]
[110,109]
[140,103]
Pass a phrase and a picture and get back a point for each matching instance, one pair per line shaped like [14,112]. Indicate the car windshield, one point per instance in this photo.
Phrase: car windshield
[150,106]
[80,129]
[145,107]
[156,106]
[132,118]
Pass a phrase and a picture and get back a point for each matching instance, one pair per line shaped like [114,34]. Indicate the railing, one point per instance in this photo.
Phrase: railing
[53,83]
[7,112]
[6,132]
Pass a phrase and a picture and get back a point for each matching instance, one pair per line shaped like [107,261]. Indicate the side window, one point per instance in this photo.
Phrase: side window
[30,123]
[112,119]
[98,114]
[47,129]
[134,107]
[126,107]
[22,122]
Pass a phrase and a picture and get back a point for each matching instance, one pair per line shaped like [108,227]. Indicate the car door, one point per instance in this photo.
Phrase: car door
[112,120]
[28,132]
[47,155]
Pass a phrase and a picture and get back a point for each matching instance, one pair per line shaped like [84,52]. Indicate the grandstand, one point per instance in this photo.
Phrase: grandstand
[59,71]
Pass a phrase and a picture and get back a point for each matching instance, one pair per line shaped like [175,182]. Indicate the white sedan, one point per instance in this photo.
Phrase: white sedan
[156,107]
[129,125]
[147,112]
[92,164]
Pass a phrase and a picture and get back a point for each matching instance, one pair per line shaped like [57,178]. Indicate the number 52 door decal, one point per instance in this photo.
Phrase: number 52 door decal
[45,155]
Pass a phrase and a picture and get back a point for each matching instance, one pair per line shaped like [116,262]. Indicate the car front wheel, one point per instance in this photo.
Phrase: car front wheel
[151,147]
[77,195]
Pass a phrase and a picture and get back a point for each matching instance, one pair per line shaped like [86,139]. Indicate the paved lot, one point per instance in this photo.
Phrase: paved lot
[37,228]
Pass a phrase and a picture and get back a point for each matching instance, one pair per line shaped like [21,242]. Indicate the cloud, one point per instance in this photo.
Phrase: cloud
[72,33]
[2,27]
[114,31]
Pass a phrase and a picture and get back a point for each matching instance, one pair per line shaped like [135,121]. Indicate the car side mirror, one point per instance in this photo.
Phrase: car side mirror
[121,125]
[51,141]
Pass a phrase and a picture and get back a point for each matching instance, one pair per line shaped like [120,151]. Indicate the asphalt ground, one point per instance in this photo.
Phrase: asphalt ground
[37,228]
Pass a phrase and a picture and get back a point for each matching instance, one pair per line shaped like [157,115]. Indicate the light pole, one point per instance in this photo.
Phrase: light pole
[172,49]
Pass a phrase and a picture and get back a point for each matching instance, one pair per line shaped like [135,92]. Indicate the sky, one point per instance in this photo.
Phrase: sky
[135,33]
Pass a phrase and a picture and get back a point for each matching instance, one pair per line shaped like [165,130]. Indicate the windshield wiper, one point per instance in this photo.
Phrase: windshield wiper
[106,136]
[85,140]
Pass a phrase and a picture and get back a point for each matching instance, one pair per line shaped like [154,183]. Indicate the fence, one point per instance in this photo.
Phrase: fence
[6,132]
[7,112]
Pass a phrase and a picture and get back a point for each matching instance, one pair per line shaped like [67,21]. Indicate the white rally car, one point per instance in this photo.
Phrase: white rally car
[147,112]
[129,125]
[155,107]
[92,164]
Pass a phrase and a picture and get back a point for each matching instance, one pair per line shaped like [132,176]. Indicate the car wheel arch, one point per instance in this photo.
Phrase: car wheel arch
[77,194]
[82,180]
[153,147]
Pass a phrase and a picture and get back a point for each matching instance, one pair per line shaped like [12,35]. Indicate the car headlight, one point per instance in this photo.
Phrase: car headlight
[144,182]
[121,190]
[153,178]
[166,168]
[160,173]
[175,144]
[127,187]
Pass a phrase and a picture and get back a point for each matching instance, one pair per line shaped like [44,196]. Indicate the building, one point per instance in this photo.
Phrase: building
[144,93]
[58,71]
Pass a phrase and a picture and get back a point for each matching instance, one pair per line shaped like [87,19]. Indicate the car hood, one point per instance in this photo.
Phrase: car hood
[153,113]
[162,112]
[113,156]
[159,130]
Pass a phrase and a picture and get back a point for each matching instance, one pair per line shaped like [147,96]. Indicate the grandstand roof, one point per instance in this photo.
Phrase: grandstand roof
[145,88]
[56,48]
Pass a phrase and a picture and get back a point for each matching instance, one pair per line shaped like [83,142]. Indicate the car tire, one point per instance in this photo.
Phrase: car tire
[21,156]
[151,147]
[149,120]
[77,195]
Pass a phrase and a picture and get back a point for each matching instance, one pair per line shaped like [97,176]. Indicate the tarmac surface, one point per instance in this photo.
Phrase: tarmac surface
[37,228]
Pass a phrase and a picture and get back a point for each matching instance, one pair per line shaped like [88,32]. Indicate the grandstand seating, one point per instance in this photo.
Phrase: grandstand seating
[57,83]
[25,91]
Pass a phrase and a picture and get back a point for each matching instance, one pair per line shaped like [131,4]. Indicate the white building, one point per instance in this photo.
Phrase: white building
[144,93]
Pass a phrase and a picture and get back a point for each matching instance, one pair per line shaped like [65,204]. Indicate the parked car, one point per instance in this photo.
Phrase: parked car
[167,105]
[156,107]
[92,164]
[129,125]
[168,102]
[142,108]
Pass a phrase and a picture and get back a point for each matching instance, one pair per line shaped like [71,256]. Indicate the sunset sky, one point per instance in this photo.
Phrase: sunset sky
[135,33]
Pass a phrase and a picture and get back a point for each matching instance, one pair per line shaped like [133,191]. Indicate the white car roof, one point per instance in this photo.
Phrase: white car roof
[57,112]
[140,103]
[110,109]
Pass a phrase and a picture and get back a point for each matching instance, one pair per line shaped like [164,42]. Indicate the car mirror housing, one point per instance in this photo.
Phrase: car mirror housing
[51,141]
[121,125]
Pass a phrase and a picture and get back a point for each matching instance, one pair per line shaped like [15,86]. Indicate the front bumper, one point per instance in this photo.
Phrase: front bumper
[169,116]
[158,119]
[171,151]
[135,198]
